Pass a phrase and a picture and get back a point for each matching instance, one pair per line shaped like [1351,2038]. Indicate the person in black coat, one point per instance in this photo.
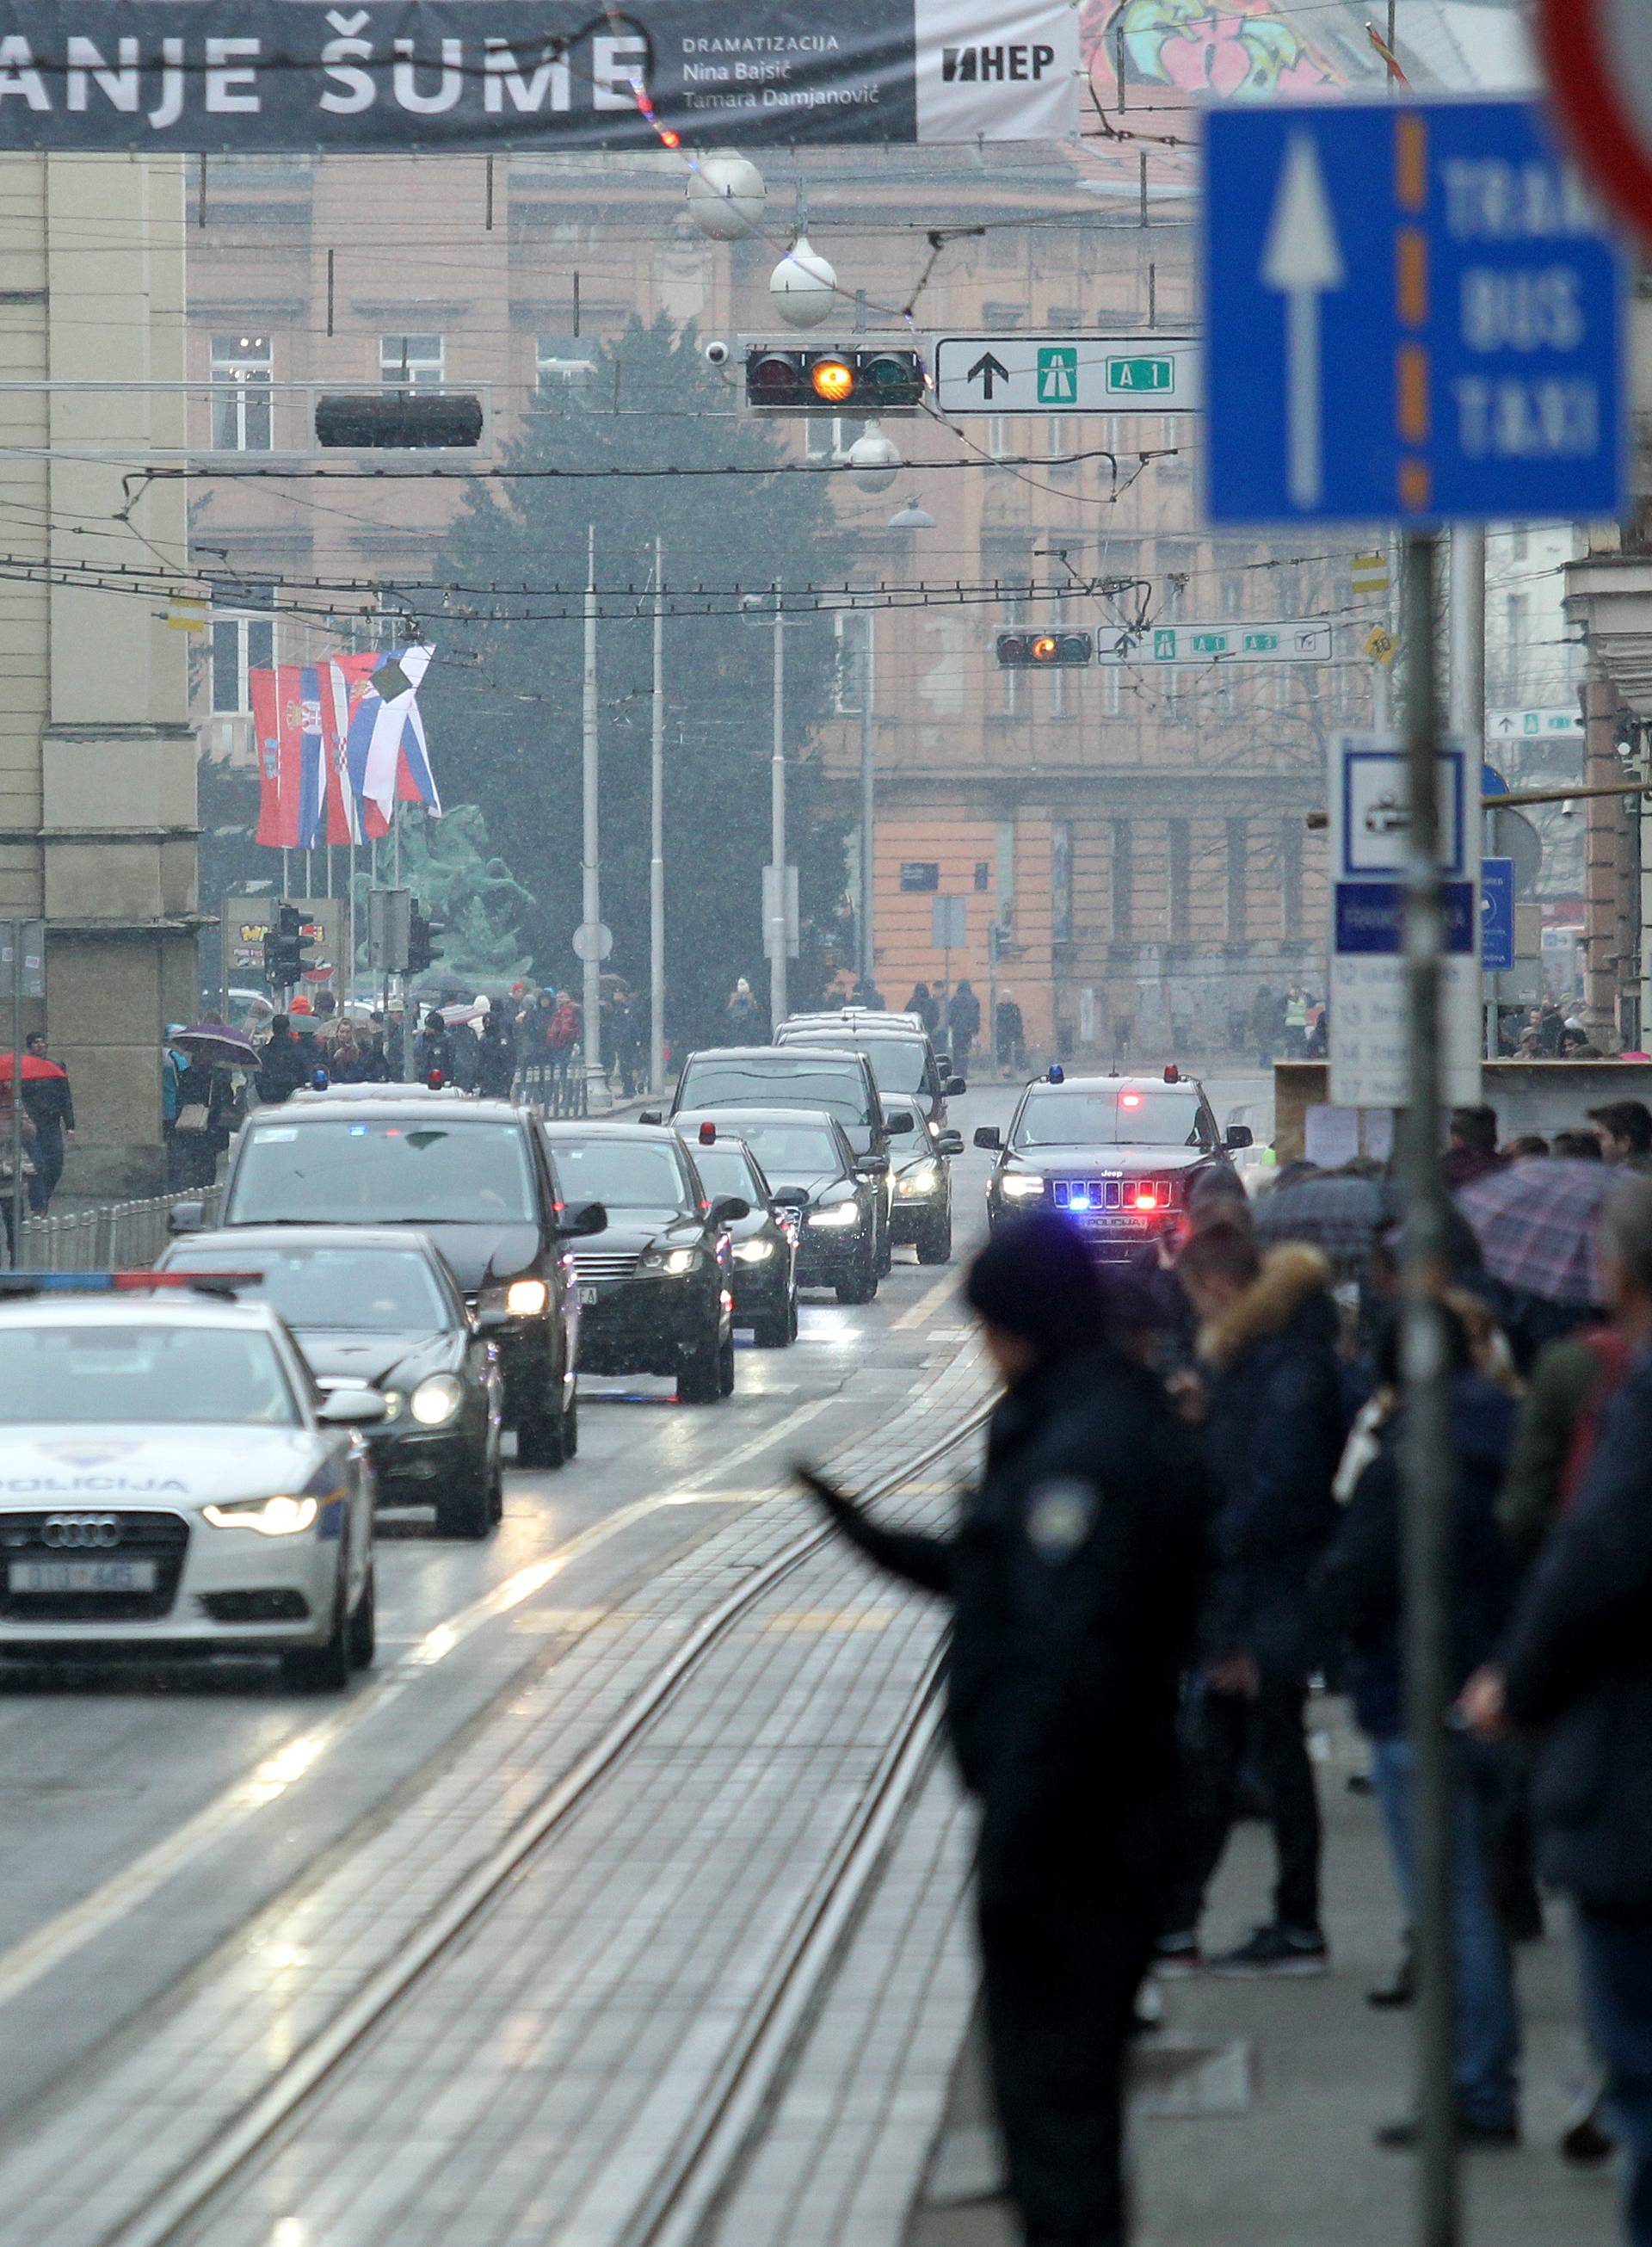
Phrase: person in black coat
[1575,1669]
[963,1024]
[497,1057]
[282,1066]
[925,1006]
[1358,1600]
[1273,1439]
[1073,1579]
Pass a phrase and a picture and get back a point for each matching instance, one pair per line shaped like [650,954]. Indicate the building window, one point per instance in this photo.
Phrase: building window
[1181,880]
[924,874]
[1122,900]
[410,361]
[1061,881]
[1518,545]
[243,368]
[983,874]
[1112,689]
[851,659]
[1238,861]
[1291,875]
[561,362]
[243,640]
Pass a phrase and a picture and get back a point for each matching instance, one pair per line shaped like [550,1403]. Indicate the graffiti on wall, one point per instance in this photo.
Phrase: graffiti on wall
[1225,47]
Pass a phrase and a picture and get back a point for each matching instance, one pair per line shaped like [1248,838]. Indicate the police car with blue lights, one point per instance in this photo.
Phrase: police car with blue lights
[1117,1155]
[173,1482]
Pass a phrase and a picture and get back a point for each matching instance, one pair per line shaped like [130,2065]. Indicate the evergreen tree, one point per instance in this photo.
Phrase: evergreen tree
[502,701]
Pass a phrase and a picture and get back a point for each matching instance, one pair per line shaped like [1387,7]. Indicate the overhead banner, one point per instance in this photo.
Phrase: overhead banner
[244,76]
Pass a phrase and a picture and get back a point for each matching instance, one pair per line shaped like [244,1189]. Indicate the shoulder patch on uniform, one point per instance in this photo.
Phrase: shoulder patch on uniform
[1060,1515]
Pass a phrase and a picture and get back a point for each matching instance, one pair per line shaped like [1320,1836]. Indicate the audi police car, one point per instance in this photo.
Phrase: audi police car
[172,1483]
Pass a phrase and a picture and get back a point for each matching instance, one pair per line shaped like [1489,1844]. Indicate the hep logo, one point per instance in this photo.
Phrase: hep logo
[972,65]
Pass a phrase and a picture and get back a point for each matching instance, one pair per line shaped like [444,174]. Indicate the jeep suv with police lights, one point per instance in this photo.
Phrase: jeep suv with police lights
[1117,1155]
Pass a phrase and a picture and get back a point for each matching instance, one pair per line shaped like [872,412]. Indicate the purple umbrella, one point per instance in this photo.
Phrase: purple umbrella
[1535,1222]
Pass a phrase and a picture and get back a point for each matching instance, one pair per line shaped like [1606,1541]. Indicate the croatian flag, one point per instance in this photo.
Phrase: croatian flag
[344,811]
[389,756]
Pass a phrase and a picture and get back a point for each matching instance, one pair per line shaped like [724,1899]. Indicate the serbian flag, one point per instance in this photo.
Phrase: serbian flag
[277,756]
[304,715]
[389,756]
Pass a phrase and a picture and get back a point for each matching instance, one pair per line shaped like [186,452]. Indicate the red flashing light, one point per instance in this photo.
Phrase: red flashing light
[1172,1074]
[1146,1197]
[708,1134]
[435,1080]
[670,140]
[1130,1099]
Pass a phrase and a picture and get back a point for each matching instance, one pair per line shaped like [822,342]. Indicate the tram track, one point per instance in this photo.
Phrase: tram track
[675,2201]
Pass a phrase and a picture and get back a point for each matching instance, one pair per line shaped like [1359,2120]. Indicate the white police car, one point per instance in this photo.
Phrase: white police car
[171,1482]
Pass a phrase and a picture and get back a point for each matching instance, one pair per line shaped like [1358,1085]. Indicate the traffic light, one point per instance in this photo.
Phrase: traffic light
[1044,650]
[399,420]
[422,948]
[288,945]
[866,379]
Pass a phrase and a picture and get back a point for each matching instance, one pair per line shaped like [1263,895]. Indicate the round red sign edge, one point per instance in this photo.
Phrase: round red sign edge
[1599,130]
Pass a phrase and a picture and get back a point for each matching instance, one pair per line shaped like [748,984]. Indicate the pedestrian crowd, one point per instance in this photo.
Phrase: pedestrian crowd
[1189,1528]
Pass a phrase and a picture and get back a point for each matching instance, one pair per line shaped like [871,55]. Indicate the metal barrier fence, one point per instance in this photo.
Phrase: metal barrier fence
[559,1091]
[120,1236]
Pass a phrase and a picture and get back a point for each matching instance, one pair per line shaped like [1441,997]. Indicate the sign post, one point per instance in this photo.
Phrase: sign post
[1376,353]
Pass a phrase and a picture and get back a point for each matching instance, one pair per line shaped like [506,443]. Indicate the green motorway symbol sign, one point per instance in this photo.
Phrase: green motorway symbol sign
[1139,375]
[1164,646]
[1058,375]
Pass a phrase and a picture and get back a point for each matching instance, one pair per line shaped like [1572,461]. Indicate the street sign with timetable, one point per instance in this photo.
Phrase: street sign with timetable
[1066,374]
[1497,915]
[1413,313]
[1224,643]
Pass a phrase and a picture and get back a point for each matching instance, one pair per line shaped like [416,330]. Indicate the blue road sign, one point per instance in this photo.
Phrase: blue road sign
[1414,312]
[1497,915]
[1492,781]
[1370,916]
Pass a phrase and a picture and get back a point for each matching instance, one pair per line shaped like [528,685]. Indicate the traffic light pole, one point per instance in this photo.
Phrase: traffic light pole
[657,843]
[590,1032]
[777,918]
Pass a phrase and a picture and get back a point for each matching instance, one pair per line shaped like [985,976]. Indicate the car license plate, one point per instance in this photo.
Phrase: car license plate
[587,1296]
[82,1576]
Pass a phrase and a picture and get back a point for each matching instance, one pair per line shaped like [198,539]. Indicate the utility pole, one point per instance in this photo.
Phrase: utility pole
[657,845]
[1466,707]
[868,808]
[777,914]
[591,902]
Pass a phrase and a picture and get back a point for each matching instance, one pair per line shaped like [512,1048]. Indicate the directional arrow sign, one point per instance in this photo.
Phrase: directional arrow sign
[1067,374]
[1302,259]
[1228,643]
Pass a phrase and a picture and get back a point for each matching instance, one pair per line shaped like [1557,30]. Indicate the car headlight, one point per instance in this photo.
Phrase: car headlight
[395,1399]
[436,1401]
[525,1299]
[919,1178]
[839,1214]
[1021,1185]
[753,1252]
[674,1262]
[271,1517]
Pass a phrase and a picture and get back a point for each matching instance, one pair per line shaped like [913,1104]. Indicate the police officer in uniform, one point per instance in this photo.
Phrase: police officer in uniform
[1074,1576]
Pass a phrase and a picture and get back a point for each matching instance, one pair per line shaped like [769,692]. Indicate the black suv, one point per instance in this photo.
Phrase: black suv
[474,1175]
[656,1286]
[1116,1154]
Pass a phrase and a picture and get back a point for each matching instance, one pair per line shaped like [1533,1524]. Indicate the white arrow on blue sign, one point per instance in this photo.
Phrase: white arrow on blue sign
[1414,312]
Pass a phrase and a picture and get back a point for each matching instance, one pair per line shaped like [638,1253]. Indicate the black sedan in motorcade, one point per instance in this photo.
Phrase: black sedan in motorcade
[1117,1155]
[922,1209]
[476,1177]
[903,1057]
[656,1285]
[838,1079]
[764,1241]
[807,1157]
[374,1308]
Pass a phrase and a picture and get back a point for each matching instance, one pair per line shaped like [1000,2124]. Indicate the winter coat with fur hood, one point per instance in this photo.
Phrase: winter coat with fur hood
[1275,1437]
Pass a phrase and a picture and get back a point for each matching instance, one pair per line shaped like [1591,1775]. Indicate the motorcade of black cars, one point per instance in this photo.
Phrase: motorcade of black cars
[476,1177]
[901,1052]
[838,1193]
[923,1173]
[764,1241]
[656,1285]
[1117,1155]
[376,1308]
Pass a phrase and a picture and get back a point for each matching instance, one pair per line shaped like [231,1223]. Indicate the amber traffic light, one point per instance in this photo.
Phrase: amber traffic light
[870,380]
[1033,650]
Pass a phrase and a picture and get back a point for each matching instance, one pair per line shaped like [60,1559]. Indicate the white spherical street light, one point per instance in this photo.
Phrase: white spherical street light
[802,287]
[725,196]
[875,459]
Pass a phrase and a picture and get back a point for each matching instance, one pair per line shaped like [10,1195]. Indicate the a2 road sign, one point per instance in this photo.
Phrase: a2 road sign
[1066,374]
[1413,312]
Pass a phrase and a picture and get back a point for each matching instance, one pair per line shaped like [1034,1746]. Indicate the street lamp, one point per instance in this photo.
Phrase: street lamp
[725,195]
[875,459]
[911,517]
[802,286]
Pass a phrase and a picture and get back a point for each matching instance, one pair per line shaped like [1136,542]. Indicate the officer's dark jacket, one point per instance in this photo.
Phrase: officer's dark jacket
[1578,1662]
[1075,1576]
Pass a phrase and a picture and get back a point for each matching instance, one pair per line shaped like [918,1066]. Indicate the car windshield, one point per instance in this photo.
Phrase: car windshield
[171,1375]
[793,1151]
[897,1063]
[619,1173]
[379,1290]
[725,1170]
[1134,1116]
[787,1080]
[332,1171]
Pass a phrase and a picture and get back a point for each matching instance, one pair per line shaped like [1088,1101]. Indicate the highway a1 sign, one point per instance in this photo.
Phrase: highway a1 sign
[1368,995]
[1547,725]
[1066,374]
[1223,642]
[1413,313]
